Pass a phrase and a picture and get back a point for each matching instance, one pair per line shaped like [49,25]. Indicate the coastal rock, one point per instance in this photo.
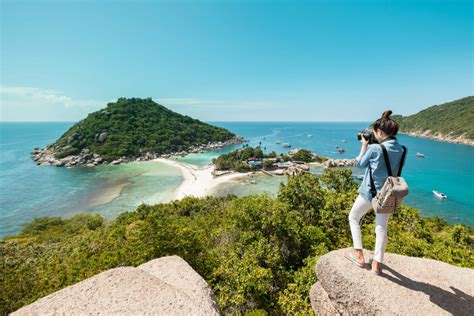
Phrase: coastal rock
[462,139]
[74,137]
[407,286]
[164,286]
[116,162]
[47,155]
[339,163]
[100,137]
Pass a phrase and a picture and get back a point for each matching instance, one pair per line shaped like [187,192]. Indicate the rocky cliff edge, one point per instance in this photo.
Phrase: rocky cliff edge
[164,286]
[407,286]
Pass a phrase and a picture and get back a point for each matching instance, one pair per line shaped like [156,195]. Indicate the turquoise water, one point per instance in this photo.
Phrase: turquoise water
[28,191]
[448,168]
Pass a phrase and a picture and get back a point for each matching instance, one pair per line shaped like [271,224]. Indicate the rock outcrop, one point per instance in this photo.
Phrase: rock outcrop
[164,286]
[461,139]
[339,163]
[66,156]
[406,286]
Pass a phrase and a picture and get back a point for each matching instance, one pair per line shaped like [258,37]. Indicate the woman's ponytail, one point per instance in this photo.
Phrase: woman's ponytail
[386,124]
[386,115]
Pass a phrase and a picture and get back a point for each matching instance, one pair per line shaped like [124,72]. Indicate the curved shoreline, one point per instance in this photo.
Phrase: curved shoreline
[197,182]
[441,138]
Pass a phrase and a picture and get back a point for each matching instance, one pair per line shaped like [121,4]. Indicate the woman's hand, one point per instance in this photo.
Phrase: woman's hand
[363,148]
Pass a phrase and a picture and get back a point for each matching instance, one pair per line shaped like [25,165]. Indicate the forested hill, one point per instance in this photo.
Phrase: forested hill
[449,120]
[130,127]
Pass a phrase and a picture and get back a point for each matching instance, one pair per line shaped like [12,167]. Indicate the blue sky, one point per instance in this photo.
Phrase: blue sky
[235,60]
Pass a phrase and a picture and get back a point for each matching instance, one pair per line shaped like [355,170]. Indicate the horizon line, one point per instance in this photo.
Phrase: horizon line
[224,121]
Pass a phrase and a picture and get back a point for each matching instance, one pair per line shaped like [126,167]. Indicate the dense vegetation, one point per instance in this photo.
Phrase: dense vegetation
[257,252]
[130,127]
[453,118]
[237,160]
[307,156]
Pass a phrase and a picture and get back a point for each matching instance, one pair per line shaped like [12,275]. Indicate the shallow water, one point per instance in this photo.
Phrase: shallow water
[28,191]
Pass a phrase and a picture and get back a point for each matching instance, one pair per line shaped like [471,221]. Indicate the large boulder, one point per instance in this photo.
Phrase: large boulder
[407,286]
[164,286]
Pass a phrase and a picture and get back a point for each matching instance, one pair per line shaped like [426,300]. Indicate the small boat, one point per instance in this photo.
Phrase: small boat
[337,146]
[309,135]
[344,141]
[440,195]
[420,155]
[359,177]
[341,150]
[286,145]
[278,142]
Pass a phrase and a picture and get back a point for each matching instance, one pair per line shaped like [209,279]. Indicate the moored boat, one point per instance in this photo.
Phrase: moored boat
[440,195]
[420,155]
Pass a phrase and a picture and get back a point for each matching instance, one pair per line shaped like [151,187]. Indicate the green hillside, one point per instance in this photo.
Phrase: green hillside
[130,127]
[451,119]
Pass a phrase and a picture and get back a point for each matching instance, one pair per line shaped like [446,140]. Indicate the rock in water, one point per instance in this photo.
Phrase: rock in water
[164,286]
[407,286]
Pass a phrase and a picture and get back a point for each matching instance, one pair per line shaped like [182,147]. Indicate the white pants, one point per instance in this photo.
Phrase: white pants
[359,209]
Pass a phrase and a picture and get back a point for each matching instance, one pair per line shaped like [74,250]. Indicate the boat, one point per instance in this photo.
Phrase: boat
[344,141]
[286,145]
[359,177]
[278,142]
[440,195]
[309,135]
[341,150]
[420,155]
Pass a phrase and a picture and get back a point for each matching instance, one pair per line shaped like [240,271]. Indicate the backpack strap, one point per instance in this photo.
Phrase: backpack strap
[387,160]
[402,161]
[373,190]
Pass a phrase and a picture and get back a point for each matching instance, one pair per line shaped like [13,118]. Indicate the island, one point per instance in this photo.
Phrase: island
[131,129]
[253,159]
[451,122]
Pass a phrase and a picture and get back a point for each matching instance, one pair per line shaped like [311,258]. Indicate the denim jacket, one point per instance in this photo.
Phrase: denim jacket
[374,156]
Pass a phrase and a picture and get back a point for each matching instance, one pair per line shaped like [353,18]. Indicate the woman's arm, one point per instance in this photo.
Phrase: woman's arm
[364,155]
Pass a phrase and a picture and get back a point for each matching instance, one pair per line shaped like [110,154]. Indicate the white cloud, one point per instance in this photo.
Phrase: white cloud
[37,104]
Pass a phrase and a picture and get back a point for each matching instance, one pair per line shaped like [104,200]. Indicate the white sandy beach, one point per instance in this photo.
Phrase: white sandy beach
[197,181]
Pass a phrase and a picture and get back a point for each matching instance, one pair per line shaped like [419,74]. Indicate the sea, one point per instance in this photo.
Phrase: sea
[28,191]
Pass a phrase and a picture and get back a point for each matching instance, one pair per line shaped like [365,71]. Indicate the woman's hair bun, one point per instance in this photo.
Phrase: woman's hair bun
[386,115]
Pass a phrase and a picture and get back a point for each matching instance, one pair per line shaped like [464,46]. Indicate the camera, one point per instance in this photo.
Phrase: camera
[368,134]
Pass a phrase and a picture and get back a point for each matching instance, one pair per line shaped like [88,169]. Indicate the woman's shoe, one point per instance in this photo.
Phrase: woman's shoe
[351,257]
[375,271]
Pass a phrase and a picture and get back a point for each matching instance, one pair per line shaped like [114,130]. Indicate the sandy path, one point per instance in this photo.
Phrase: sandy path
[197,181]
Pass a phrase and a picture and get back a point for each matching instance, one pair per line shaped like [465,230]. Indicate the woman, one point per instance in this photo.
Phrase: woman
[371,155]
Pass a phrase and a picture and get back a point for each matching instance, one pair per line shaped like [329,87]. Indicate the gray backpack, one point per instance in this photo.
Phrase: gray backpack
[393,190]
